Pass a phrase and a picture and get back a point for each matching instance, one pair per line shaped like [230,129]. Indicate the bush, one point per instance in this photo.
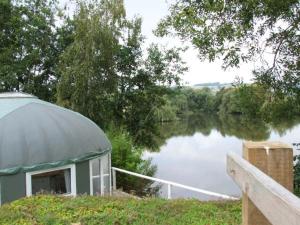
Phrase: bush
[125,155]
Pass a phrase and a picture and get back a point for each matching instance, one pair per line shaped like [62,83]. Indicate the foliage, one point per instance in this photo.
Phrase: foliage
[230,102]
[104,73]
[246,111]
[244,99]
[144,92]
[28,47]
[200,101]
[88,77]
[186,101]
[100,210]
[278,108]
[167,112]
[297,175]
[251,98]
[243,31]
[251,101]
[129,157]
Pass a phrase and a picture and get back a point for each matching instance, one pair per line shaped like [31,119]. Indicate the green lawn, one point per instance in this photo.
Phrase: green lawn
[99,210]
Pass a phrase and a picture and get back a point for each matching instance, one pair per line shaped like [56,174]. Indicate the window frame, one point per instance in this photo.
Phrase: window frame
[72,168]
[100,175]
[0,192]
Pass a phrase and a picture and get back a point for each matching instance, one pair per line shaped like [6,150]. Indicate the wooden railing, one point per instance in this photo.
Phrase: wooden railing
[265,176]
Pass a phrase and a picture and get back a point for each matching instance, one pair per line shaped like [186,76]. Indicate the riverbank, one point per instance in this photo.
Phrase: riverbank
[89,210]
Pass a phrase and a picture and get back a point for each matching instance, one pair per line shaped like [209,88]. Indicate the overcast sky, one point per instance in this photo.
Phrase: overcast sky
[199,72]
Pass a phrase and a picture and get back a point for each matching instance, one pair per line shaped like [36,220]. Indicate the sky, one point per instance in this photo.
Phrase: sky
[152,11]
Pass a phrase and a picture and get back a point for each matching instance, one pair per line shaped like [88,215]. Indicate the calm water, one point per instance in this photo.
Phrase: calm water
[193,152]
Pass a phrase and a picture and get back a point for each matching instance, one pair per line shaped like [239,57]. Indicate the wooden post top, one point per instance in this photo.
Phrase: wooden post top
[266,144]
[274,159]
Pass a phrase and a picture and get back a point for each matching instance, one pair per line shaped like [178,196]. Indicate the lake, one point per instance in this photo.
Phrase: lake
[193,151]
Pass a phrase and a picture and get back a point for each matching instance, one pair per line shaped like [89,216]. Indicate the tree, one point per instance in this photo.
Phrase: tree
[87,66]
[251,98]
[240,31]
[28,55]
[200,101]
[106,75]
[146,87]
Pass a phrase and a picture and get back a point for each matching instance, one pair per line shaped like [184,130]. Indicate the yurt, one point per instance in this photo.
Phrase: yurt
[45,148]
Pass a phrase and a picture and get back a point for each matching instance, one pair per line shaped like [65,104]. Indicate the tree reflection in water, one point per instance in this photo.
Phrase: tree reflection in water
[228,125]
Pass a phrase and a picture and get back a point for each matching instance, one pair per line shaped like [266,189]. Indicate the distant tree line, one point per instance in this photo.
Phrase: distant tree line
[251,101]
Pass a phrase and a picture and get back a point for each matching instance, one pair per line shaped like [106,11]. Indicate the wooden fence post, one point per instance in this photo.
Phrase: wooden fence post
[274,159]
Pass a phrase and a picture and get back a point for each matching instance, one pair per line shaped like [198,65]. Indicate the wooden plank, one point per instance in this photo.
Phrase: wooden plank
[279,206]
[275,159]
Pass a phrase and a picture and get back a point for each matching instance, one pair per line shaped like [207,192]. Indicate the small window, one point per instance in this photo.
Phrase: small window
[58,181]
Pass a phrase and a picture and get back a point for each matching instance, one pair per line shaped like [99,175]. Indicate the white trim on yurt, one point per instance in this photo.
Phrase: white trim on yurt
[72,168]
[0,193]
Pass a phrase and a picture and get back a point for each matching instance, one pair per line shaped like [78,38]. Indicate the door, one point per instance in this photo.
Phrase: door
[100,175]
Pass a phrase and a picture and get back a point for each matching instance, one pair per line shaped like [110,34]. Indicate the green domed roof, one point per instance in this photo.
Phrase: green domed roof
[35,134]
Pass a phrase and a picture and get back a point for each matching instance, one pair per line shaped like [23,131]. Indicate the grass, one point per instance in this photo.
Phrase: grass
[103,210]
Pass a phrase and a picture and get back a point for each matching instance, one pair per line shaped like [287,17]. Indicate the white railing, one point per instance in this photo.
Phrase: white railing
[170,184]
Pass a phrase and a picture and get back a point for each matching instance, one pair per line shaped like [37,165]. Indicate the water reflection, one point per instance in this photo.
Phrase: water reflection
[193,151]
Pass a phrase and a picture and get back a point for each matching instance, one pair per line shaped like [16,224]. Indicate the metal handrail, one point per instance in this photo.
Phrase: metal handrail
[170,184]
